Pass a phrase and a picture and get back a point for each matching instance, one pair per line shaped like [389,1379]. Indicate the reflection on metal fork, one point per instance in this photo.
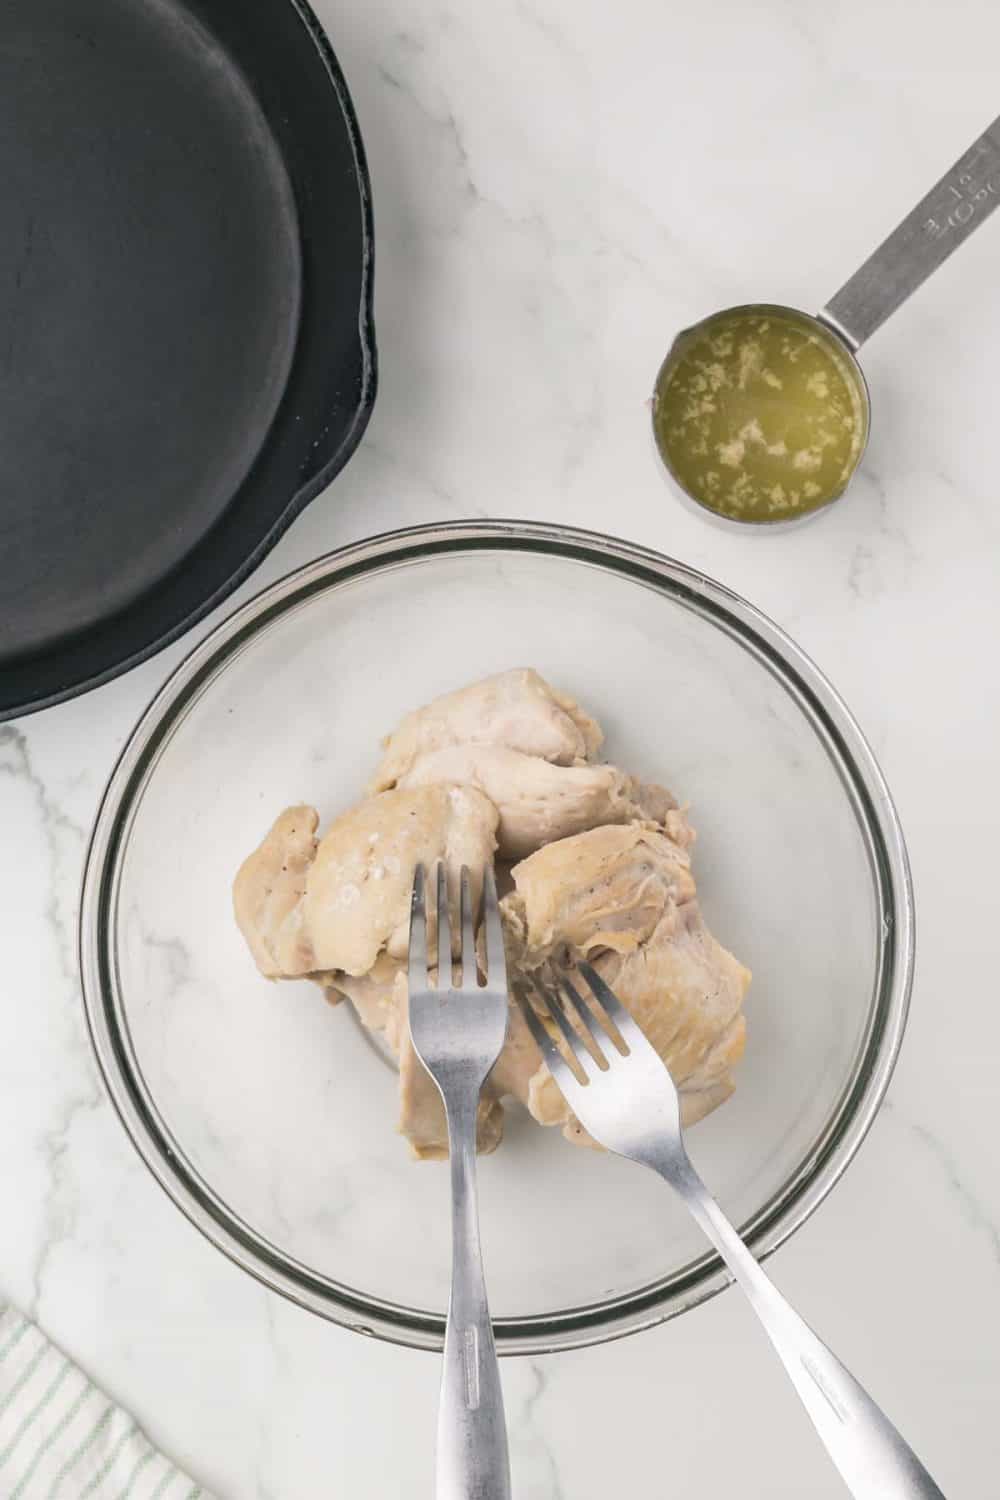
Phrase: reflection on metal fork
[458,1032]
[621,1092]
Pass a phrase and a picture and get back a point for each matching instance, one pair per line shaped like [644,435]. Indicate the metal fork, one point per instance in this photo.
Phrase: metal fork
[626,1099]
[458,1032]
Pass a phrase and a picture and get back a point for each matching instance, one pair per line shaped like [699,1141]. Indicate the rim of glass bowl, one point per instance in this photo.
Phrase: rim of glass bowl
[829,1154]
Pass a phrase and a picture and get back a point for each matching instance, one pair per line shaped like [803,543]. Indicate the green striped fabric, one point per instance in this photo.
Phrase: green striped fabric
[61,1439]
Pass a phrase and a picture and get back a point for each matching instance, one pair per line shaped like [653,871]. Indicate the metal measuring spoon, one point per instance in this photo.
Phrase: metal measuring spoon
[954,207]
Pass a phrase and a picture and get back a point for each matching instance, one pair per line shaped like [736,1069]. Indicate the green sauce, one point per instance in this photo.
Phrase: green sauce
[760,414]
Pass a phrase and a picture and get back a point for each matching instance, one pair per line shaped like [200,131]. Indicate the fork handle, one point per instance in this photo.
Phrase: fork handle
[472,1459]
[873,1460]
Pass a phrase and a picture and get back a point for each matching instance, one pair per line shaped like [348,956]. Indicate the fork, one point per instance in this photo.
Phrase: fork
[624,1096]
[458,1032]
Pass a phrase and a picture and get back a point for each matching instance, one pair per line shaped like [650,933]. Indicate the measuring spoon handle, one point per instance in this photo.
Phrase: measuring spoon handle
[954,207]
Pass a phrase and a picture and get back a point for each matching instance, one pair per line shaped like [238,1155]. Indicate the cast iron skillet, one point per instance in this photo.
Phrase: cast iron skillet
[187,353]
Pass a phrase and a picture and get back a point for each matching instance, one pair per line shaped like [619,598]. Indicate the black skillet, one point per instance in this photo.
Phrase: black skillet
[187,353]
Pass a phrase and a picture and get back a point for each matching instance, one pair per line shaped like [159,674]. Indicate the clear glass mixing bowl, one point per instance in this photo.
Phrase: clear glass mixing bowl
[268,1117]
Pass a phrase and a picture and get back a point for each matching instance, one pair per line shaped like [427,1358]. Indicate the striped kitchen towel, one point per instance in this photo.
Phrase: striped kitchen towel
[62,1439]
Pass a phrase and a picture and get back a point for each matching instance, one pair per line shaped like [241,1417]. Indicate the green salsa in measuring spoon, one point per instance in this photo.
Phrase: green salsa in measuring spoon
[761,413]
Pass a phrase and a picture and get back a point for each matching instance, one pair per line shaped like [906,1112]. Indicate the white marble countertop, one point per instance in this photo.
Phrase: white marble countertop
[558,187]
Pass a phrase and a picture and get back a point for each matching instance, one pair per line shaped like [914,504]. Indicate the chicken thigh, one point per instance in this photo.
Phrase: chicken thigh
[530,749]
[515,709]
[538,801]
[339,912]
[352,892]
[625,899]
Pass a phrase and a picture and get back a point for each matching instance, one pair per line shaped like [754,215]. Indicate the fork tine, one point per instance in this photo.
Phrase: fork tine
[496,957]
[555,1062]
[628,1029]
[443,929]
[417,953]
[467,917]
[596,1033]
[578,1051]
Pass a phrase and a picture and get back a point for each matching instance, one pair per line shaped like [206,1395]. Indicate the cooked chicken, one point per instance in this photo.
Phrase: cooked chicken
[686,992]
[520,1074]
[527,747]
[357,900]
[353,900]
[604,889]
[374,995]
[268,892]
[515,709]
[339,912]
[624,898]
[537,801]
[606,873]
[380,999]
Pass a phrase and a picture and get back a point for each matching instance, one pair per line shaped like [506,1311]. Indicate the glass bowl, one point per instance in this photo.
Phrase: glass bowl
[268,1117]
